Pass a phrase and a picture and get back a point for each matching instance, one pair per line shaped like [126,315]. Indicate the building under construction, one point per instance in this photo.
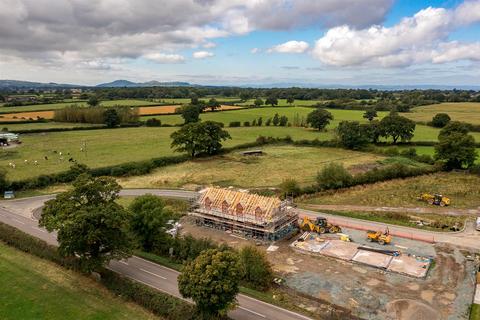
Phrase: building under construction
[251,215]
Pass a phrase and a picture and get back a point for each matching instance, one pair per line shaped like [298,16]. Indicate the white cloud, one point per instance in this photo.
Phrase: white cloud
[209,45]
[291,47]
[254,50]
[202,54]
[165,58]
[418,39]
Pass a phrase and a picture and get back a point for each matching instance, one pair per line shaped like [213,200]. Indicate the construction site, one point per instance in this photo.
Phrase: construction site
[249,215]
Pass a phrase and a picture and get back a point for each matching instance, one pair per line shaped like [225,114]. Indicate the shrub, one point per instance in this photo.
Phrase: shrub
[440,120]
[290,187]
[234,124]
[246,124]
[256,271]
[334,176]
[153,122]
[268,122]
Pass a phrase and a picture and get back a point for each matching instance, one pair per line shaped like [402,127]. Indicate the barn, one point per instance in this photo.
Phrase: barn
[251,215]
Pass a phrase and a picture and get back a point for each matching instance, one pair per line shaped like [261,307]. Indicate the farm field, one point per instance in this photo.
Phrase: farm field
[44,125]
[461,188]
[458,111]
[38,289]
[283,102]
[114,146]
[54,106]
[269,170]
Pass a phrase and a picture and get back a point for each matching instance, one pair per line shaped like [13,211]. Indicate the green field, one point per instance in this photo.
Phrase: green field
[269,170]
[461,188]
[33,288]
[55,106]
[458,111]
[44,125]
[283,103]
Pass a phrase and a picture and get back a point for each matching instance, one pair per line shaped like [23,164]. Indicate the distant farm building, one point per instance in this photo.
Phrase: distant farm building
[251,215]
[252,153]
[8,138]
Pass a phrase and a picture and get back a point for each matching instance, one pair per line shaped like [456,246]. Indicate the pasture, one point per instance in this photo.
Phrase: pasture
[269,170]
[38,289]
[460,187]
[464,111]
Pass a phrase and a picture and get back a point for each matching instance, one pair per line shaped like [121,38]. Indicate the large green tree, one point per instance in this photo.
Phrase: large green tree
[319,118]
[255,268]
[93,101]
[370,114]
[455,148]
[440,120]
[211,281]
[213,104]
[258,102]
[200,137]
[111,118]
[190,113]
[353,135]
[90,225]
[397,127]
[271,100]
[149,217]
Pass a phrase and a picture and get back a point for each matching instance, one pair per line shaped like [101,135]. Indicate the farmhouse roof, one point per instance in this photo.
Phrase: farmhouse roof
[252,204]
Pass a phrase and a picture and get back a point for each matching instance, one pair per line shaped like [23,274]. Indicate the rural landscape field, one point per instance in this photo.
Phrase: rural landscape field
[240,160]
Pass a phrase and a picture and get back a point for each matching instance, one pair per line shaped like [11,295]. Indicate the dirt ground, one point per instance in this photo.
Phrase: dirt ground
[371,293]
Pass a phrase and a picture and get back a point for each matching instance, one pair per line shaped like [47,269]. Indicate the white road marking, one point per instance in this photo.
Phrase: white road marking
[124,262]
[38,229]
[251,311]
[153,274]
[155,264]
[21,222]
[276,307]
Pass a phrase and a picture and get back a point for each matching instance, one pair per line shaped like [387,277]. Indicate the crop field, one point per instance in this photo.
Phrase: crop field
[155,110]
[37,289]
[461,188]
[114,146]
[54,106]
[464,111]
[269,170]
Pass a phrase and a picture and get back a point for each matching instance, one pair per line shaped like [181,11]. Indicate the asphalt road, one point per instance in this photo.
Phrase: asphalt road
[143,271]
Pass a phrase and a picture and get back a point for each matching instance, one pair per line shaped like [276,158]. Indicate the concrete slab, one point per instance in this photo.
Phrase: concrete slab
[311,245]
[340,249]
[374,259]
[410,265]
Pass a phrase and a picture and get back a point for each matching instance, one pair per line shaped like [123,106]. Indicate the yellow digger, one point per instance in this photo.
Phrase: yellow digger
[380,237]
[435,199]
[320,225]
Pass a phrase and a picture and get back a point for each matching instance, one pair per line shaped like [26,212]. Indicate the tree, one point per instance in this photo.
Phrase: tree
[271,100]
[259,122]
[190,113]
[93,101]
[353,135]
[440,120]
[397,127]
[268,122]
[211,281]
[244,96]
[283,121]
[455,127]
[370,114]
[148,220]
[290,100]
[276,119]
[319,118]
[213,104]
[90,225]
[3,180]
[375,130]
[255,268]
[455,147]
[334,176]
[258,102]
[199,137]
[290,187]
[111,118]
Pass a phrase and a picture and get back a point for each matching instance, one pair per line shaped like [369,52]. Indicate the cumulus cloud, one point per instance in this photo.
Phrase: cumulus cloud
[165,58]
[418,39]
[291,47]
[254,50]
[50,30]
[202,54]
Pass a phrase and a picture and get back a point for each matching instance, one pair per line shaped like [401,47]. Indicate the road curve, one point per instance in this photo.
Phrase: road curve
[146,272]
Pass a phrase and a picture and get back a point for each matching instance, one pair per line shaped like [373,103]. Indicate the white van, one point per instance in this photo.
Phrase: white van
[478,224]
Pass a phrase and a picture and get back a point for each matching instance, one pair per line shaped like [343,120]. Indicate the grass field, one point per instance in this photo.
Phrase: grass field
[233,169]
[461,188]
[33,288]
[109,147]
[44,125]
[459,111]
[54,106]
[283,102]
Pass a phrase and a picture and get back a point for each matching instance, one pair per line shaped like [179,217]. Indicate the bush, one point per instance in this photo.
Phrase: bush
[153,122]
[234,124]
[290,187]
[440,120]
[334,176]
[246,124]
[256,271]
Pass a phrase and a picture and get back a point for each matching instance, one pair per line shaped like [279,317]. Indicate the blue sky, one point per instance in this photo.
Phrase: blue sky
[235,42]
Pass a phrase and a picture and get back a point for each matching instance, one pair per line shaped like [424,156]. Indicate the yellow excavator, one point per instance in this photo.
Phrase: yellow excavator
[435,199]
[319,225]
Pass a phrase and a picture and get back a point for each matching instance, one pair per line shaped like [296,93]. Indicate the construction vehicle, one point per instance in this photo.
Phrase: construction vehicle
[435,199]
[380,237]
[320,225]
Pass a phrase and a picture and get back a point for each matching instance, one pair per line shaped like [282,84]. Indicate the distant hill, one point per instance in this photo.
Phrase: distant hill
[16,84]
[153,83]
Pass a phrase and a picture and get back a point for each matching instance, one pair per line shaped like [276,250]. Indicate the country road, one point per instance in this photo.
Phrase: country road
[18,213]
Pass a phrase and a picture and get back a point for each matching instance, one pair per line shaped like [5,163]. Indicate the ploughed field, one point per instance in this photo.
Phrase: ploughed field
[39,289]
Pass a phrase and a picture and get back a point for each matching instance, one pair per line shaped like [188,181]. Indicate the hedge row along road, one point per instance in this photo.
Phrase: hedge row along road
[17,212]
